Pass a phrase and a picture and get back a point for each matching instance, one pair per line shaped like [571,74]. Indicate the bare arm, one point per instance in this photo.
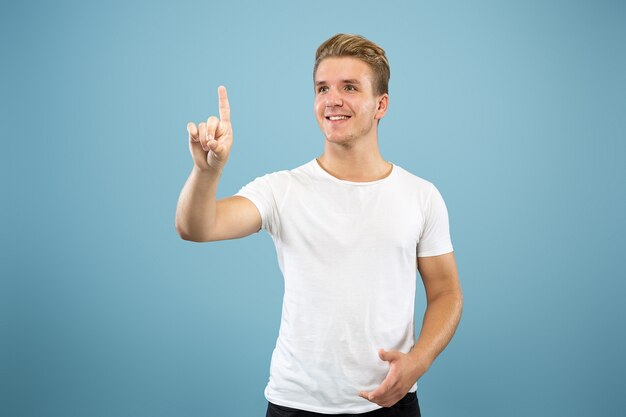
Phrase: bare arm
[199,217]
[444,306]
[443,313]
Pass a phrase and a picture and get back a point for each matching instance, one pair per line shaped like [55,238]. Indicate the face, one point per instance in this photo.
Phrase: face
[345,105]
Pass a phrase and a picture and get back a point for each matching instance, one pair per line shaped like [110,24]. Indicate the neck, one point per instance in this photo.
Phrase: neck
[354,162]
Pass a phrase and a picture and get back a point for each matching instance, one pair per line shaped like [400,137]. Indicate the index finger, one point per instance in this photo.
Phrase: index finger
[223,104]
[381,390]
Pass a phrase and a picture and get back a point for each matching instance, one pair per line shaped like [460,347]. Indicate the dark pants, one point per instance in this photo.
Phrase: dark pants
[406,407]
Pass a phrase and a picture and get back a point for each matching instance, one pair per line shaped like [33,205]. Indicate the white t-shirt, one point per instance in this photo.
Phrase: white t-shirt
[347,251]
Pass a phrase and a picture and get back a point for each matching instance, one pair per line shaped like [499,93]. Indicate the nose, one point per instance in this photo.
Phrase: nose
[333,98]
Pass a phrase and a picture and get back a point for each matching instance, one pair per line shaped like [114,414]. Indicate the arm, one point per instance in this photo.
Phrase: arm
[442,316]
[444,300]
[199,217]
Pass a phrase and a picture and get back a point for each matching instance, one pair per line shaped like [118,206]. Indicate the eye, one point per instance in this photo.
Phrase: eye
[350,87]
[322,89]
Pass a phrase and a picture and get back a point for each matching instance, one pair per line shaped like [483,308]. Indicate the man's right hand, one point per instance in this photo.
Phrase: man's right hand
[210,142]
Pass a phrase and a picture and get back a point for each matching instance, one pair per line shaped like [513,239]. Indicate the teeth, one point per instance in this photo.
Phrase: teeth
[338,117]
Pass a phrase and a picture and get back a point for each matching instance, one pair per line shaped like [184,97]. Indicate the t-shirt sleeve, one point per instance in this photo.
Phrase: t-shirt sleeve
[435,238]
[261,193]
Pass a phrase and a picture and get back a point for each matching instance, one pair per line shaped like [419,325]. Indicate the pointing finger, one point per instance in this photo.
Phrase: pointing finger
[223,104]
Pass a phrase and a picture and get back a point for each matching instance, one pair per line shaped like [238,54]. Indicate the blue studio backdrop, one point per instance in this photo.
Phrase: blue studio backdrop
[515,110]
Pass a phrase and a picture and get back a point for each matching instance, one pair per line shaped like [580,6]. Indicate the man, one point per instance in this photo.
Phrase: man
[351,230]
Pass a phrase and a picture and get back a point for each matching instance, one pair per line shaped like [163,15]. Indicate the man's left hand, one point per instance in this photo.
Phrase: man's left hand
[404,371]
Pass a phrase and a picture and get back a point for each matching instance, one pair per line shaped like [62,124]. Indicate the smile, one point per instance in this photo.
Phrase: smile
[334,118]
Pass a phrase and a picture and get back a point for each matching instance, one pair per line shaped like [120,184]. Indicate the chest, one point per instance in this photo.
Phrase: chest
[346,218]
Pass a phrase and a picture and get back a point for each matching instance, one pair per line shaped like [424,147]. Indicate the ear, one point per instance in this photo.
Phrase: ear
[383,102]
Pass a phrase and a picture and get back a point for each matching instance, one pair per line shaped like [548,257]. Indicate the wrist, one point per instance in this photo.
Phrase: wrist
[208,171]
[421,362]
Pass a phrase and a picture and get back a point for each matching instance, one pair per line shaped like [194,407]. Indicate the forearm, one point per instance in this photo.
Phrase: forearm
[196,210]
[441,319]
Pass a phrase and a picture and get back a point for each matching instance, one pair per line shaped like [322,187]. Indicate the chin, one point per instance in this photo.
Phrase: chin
[333,138]
[339,140]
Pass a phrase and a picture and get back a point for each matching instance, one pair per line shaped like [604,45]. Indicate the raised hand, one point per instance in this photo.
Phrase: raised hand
[210,142]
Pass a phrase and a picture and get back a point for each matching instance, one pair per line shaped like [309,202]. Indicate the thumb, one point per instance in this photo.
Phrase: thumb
[215,146]
[388,356]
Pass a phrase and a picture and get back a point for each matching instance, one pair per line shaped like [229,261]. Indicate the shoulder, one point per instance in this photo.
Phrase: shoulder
[281,179]
[419,185]
[300,173]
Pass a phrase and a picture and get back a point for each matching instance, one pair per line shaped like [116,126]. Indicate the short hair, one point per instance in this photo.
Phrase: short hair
[347,45]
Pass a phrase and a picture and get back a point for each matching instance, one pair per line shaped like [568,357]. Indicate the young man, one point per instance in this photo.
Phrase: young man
[351,230]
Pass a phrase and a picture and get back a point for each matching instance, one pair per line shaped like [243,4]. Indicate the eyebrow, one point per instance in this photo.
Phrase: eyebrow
[343,81]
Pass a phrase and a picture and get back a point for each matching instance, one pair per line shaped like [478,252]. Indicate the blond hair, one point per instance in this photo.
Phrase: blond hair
[357,46]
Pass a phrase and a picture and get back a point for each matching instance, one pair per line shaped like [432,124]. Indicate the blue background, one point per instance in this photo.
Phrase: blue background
[515,110]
